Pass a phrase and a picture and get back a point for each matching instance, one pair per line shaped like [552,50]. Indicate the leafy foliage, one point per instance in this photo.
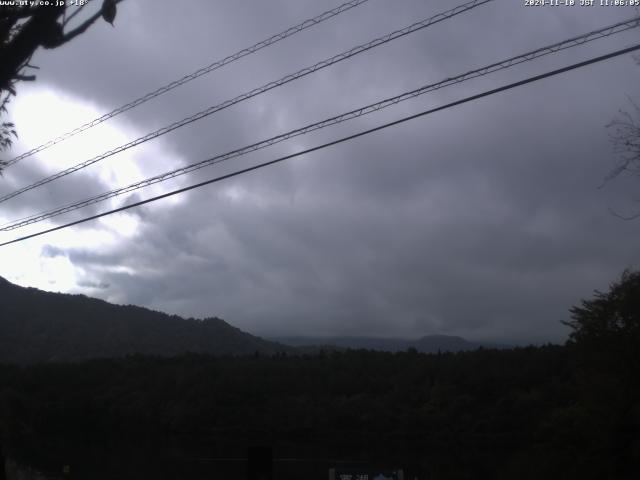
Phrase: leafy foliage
[611,314]
[27,26]
[606,345]
[7,129]
[606,329]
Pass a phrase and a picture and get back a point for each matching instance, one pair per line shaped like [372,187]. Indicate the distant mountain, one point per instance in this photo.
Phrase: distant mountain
[426,344]
[38,326]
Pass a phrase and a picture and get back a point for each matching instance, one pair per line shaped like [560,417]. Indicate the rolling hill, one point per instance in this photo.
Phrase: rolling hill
[38,326]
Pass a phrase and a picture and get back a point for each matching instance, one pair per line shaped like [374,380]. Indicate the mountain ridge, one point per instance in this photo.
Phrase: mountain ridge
[426,344]
[39,326]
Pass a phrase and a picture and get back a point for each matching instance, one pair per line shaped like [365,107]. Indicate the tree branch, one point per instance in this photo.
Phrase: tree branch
[25,78]
[623,217]
[83,26]
[37,30]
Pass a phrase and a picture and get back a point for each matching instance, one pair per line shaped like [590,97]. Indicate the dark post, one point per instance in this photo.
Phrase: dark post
[260,463]
[3,473]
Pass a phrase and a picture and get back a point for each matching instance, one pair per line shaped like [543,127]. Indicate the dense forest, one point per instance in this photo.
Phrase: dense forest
[553,411]
[524,412]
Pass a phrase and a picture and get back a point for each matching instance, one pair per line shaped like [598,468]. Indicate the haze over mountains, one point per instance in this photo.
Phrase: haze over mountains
[426,344]
[38,326]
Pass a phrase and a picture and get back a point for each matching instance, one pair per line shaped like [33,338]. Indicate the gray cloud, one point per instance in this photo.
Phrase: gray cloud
[484,220]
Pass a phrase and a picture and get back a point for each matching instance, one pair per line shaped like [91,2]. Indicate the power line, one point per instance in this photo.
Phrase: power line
[335,142]
[192,76]
[257,91]
[531,55]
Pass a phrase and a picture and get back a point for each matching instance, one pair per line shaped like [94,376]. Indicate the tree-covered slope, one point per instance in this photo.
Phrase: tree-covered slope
[38,326]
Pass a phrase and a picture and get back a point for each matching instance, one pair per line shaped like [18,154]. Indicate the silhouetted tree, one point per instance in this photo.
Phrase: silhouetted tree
[2,472]
[606,331]
[26,27]
[613,316]
[625,137]
[606,334]
[606,341]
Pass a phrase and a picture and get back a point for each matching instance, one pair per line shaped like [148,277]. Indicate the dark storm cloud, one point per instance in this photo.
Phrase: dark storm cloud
[484,220]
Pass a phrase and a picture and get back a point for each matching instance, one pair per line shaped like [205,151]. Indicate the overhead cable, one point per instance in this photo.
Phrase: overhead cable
[334,142]
[257,91]
[192,76]
[503,64]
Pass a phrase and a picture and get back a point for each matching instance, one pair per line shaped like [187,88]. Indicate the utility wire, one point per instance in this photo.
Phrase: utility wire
[257,91]
[338,141]
[192,76]
[531,55]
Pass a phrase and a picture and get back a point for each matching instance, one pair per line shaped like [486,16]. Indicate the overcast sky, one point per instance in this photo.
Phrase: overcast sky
[484,220]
